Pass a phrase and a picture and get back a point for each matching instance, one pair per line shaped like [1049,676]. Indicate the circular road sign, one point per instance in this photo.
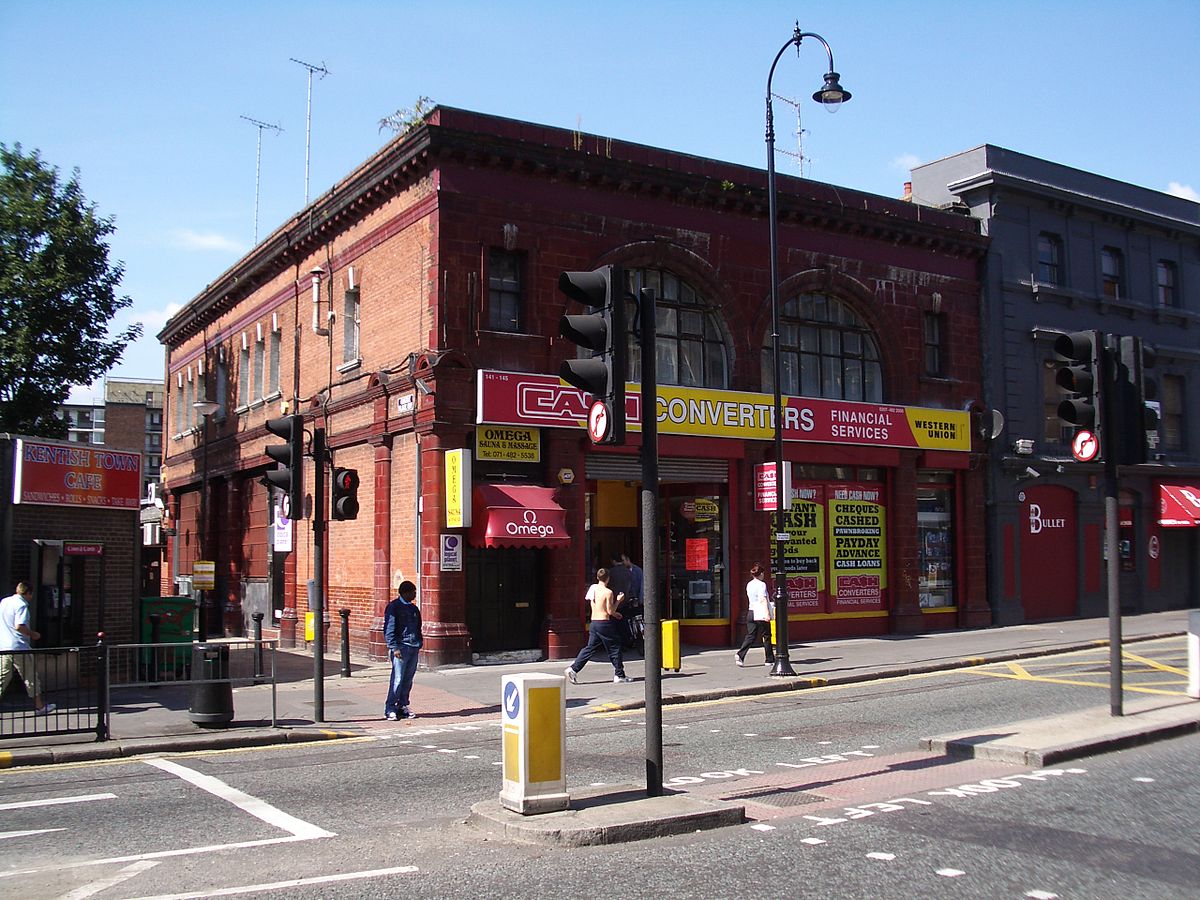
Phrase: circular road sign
[1084,446]
[598,422]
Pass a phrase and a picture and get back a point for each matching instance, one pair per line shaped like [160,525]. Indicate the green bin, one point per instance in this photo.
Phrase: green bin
[175,618]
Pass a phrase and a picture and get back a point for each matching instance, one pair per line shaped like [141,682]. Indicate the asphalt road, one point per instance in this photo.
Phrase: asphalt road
[841,804]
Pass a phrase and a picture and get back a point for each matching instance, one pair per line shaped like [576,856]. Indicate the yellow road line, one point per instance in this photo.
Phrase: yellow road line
[1162,667]
[1019,670]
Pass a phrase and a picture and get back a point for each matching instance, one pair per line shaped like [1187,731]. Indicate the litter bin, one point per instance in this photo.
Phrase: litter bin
[212,692]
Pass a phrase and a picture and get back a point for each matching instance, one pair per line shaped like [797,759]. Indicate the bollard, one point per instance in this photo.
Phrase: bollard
[1193,643]
[258,653]
[345,614]
[533,720]
[155,622]
[671,651]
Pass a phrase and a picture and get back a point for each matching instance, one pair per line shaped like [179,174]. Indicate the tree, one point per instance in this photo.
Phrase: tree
[57,294]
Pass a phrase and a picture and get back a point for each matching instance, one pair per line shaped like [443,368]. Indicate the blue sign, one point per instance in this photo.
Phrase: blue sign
[512,699]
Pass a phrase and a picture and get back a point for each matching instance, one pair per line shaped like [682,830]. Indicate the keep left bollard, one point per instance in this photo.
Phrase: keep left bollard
[345,614]
[1193,643]
[533,719]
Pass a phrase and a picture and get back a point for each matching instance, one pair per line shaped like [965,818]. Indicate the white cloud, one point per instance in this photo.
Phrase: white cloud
[906,162]
[1186,191]
[154,319]
[186,239]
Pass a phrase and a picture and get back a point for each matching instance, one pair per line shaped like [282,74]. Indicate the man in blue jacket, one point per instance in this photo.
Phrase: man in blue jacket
[402,632]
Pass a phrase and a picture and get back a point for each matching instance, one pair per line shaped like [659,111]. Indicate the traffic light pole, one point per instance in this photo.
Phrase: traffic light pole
[317,598]
[652,610]
[1108,445]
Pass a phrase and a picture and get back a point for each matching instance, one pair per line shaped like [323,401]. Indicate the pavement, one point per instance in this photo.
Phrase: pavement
[157,720]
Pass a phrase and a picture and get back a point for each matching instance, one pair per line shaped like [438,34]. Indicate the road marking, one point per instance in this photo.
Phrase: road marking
[55,801]
[1162,667]
[260,809]
[113,880]
[886,857]
[950,873]
[281,885]
[1145,780]
[1041,895]
[5,835]
[810,840]
[762,826]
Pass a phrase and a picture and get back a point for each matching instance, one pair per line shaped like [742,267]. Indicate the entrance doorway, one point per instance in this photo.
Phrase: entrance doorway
[504,598]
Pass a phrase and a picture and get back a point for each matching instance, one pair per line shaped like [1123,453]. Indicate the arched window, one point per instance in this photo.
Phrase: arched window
[826,350]
[691,346]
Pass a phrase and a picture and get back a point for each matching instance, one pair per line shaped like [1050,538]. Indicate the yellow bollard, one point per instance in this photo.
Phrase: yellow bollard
[670,645]
[310,628]
[533,721]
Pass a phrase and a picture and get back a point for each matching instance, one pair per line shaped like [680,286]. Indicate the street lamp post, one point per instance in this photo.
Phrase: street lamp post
[832,95]
[205,408]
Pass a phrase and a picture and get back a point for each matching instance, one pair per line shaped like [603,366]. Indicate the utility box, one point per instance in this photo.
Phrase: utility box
[533,721]
[671,653]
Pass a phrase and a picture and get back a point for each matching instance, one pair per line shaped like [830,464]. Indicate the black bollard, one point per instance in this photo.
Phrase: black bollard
[155,621]
[258,653]
[345,614]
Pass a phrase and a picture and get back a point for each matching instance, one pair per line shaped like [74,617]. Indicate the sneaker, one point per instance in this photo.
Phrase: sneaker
[738,661]
[391,717]
[571,675]
[621,679]
[407,713]
[48,708]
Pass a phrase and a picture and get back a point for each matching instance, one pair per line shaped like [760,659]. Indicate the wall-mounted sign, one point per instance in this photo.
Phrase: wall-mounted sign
[281,532]
[764,485]
[406,403]
[451,557]
[508,443]
[64,474]
[458,489]
[857,547]
[204,575]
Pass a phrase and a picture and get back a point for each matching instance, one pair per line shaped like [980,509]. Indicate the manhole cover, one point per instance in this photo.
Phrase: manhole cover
[780,797]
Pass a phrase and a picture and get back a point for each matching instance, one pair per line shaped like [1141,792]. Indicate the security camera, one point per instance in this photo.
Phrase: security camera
[1032,472]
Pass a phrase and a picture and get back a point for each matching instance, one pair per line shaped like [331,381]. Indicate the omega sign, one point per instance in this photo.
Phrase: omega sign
[1037,523]
[529,527]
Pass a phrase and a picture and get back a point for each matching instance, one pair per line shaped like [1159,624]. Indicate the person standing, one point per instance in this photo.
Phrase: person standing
[15,636]
[762,610]
[604,633]
[402,632]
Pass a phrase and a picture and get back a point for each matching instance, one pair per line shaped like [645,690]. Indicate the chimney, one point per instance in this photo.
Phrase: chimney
[907,196]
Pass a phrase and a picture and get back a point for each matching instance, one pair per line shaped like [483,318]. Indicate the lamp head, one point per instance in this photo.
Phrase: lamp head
[206,407]
[832,95]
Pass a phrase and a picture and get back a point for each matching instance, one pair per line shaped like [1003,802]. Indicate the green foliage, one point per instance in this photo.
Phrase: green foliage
[57,294]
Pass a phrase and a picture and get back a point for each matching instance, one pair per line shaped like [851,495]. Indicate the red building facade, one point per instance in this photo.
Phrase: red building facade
[412,313]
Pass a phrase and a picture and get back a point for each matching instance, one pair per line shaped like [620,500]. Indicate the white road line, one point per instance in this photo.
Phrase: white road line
[762,826]
[812,841]
[103,884]
[886,857]
[1041,895]
[55,801]
[260,809]
[280,885]
[5,835]
[950,873]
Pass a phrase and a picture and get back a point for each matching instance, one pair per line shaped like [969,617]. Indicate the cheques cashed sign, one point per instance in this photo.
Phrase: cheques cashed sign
[518,398]
[857,547]
[76,475]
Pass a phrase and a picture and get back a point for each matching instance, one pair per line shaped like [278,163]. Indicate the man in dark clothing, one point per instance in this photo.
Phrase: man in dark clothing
[402,632]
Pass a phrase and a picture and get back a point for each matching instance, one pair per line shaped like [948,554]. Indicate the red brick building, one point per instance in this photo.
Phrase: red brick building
[412,312]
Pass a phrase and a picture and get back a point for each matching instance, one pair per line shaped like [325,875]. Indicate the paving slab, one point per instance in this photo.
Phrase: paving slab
[609,815]
[1052,739]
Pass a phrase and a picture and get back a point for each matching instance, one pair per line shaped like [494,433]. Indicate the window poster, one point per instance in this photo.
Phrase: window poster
[696,550]
[857,547]
[804,550]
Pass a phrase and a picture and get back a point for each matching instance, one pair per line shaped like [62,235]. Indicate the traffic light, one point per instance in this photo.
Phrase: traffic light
[1139,422]
[290,477]
[602,331]
[1081,376]
[343,498]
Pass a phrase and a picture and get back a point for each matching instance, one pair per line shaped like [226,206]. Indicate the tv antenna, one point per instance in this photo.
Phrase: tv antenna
[308,118]
[258,165]
[800,133]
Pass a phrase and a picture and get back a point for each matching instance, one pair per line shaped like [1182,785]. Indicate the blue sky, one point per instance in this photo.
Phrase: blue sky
[144,98]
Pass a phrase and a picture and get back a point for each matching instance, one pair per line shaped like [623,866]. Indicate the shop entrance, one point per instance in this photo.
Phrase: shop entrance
[504,591]
[60,591]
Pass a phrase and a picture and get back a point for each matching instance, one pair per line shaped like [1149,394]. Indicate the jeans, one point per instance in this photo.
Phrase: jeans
[759,633]
[606,635]
[404,669]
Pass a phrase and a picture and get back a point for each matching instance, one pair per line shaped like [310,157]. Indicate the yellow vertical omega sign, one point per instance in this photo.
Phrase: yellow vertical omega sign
[458,482]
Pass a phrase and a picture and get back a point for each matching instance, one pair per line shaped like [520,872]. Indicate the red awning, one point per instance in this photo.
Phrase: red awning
[1178,505]
[510,515]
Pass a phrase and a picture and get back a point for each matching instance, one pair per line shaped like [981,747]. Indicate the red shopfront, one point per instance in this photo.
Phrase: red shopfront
[877,490]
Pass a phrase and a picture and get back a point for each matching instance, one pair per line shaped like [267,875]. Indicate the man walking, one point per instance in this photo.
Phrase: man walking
[15,636]
[762,610]
[402,632]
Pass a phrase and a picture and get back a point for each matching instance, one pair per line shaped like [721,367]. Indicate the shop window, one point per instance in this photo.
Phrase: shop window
[695,560]
[504,291]
[826,350]
[691,346]
[1049,258]
[935,539]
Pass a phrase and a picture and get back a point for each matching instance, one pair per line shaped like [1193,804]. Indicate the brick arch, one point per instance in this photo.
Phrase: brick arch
[856,295]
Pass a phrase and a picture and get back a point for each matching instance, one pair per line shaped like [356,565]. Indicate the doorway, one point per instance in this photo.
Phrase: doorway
[504,598]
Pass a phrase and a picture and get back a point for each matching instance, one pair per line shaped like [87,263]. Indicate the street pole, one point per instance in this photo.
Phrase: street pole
[651,608]
[202,615]
[1109,438]
[317,598]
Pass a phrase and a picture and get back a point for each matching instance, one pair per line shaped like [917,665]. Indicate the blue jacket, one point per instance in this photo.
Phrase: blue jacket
[402,624]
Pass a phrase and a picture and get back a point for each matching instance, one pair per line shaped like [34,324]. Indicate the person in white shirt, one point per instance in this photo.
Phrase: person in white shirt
[762,611]
[15,636]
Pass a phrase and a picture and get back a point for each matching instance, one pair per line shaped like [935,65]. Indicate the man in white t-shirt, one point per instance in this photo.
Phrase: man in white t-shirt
[762,610]
[15,636]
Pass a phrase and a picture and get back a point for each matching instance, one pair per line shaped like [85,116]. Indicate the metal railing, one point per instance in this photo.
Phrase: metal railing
[76,685]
